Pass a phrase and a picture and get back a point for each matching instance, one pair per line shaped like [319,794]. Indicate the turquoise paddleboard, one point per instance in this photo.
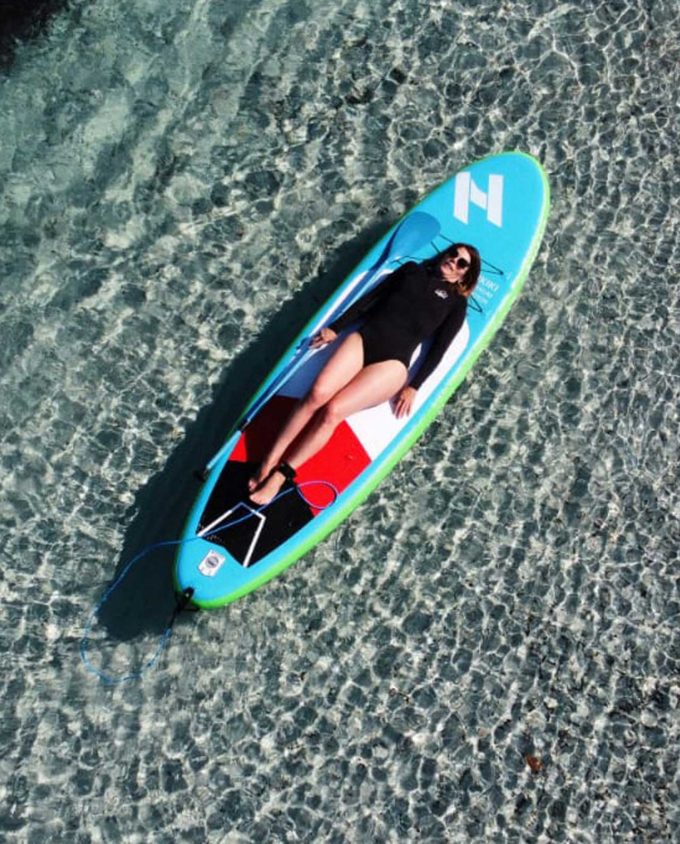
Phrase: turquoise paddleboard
[230,547]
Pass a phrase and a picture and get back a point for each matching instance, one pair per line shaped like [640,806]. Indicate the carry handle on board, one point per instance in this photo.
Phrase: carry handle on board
[414,232]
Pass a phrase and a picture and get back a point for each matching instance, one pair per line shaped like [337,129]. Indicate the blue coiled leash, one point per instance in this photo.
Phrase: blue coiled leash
[184,599]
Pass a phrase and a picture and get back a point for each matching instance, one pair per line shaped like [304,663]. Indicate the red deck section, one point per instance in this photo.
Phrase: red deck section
[339,462]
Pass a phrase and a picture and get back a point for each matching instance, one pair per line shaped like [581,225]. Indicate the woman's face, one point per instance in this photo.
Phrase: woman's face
[455,265]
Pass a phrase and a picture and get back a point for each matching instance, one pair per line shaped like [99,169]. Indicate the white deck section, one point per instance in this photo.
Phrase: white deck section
[377,426]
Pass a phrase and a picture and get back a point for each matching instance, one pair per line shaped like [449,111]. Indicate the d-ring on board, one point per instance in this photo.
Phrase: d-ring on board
[253,543]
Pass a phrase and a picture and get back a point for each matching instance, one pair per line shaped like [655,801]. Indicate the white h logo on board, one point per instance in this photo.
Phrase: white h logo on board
[467,192]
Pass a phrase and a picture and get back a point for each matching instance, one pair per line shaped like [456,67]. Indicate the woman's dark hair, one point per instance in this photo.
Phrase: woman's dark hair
[469,280]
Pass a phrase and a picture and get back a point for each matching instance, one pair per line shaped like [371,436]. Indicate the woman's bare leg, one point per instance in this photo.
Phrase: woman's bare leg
[372,385]
[343,365]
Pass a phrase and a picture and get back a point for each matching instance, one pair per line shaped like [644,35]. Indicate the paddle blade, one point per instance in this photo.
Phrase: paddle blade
[416,231]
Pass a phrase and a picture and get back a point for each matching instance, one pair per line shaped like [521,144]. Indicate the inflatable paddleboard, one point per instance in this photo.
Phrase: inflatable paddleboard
[230,546]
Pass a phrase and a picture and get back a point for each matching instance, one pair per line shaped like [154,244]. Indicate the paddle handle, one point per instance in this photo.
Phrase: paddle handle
[228,446]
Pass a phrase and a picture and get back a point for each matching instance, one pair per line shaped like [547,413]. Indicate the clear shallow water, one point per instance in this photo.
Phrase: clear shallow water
[181,184]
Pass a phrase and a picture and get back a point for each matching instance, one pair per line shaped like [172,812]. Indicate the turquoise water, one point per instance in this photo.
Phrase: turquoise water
[488,649]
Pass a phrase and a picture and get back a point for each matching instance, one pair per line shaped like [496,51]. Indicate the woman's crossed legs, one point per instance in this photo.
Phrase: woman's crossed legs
[343,387]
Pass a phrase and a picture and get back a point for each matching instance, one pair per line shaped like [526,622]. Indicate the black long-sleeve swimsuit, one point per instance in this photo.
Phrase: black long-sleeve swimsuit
[410,305]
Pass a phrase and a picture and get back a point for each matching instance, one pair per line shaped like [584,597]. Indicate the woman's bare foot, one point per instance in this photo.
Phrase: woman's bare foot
[268,490]
[260,476]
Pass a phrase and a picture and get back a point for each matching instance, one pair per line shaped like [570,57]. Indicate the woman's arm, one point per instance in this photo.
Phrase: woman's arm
[441,342]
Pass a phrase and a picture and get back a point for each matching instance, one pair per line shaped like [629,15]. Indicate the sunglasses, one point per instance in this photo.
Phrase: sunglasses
[458,261]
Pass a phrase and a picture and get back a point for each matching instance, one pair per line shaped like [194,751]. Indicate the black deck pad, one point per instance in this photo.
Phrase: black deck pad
[283,518]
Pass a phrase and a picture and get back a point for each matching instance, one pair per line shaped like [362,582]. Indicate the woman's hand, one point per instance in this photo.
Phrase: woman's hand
[323,338]
[403,401]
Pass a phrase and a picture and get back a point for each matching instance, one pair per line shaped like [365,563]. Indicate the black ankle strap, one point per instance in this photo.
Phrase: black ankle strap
[287,471]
